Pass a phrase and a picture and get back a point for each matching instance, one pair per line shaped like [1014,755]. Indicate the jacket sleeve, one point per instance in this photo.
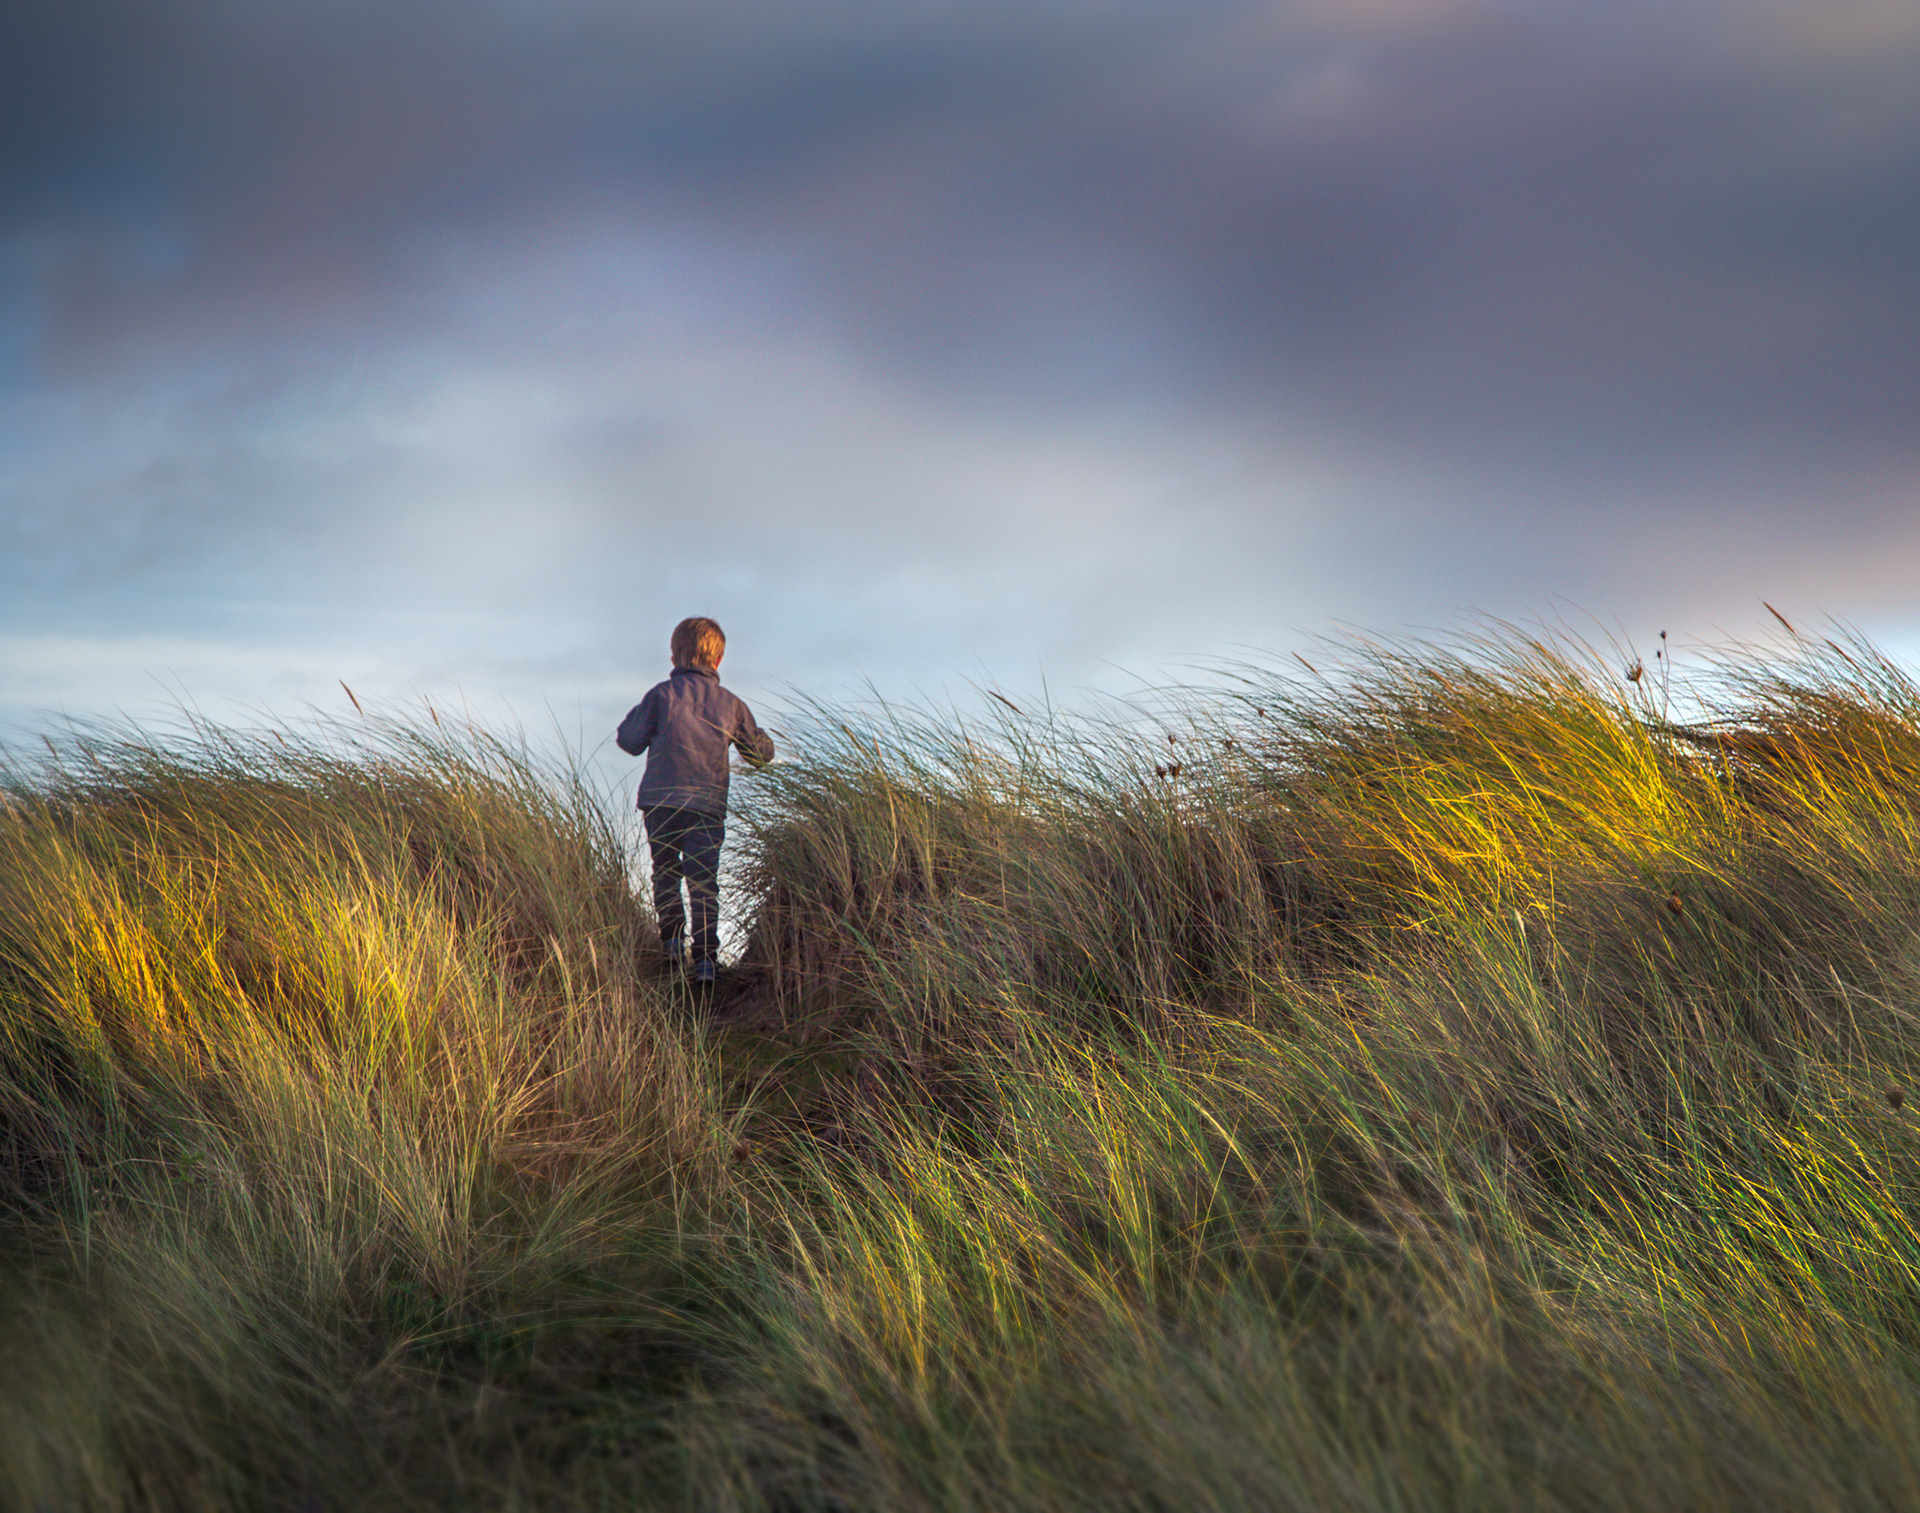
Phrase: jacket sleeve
[637,730]
[754,743]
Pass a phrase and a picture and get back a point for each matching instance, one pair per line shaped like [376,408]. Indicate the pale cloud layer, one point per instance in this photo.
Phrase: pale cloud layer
[463,348]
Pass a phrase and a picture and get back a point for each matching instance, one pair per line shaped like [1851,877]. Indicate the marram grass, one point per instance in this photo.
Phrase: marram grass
[1445,1084]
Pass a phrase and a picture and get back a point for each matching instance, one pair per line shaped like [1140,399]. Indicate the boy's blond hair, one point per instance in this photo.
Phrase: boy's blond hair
[698,642]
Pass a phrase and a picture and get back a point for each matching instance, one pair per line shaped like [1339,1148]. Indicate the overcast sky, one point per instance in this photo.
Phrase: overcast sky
[460,347]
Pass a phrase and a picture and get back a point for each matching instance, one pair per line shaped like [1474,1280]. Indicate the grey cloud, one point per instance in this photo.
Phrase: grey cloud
[1620,242]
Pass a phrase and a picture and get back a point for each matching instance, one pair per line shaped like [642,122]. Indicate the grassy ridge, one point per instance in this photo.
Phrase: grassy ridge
[1442,1085]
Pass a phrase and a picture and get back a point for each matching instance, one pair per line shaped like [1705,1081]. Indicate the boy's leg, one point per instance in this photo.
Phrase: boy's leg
[663,841]
[700,859]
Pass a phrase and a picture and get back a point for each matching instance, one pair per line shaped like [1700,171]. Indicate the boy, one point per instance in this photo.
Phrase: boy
[685,725]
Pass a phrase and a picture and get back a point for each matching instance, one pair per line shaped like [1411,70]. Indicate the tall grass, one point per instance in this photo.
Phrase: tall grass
[311,1050]
[1445,1083]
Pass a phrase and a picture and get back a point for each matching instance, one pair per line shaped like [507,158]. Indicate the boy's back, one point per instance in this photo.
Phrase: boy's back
[685,726]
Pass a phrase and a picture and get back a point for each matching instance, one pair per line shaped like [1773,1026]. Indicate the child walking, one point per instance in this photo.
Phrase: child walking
[685,726]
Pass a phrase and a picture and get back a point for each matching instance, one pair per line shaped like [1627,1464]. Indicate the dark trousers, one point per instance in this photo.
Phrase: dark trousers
[686,844]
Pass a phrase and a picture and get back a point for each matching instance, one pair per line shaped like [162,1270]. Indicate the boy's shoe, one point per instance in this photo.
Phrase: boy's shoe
[703,974]
[674,952]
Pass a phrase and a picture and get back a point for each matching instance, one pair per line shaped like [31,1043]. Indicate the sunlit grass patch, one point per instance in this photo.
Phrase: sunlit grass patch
[302,1044]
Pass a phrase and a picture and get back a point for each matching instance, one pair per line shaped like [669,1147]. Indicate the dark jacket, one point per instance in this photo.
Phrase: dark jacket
[685,726]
